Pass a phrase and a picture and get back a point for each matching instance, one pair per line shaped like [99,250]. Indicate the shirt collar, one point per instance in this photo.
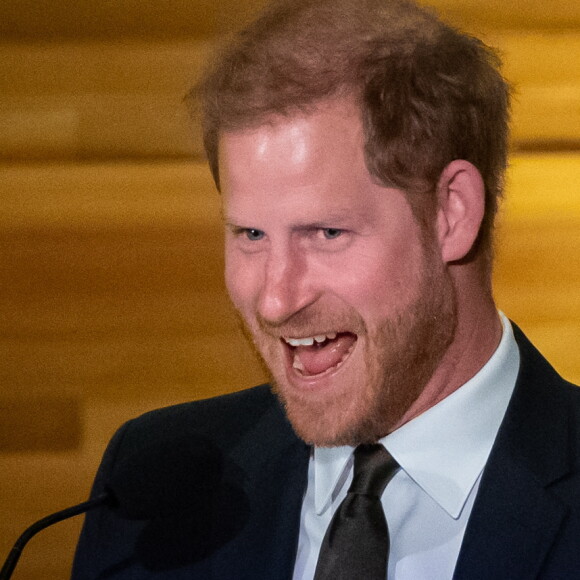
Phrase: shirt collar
[444,449]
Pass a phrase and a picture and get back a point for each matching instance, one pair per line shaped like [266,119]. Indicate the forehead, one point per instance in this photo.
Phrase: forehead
[304,170]
[327,140]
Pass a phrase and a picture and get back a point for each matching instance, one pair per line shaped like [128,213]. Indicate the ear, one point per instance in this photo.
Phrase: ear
[461,206]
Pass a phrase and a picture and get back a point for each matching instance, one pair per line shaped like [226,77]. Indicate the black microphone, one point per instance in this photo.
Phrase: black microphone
[149,483]
[32,530]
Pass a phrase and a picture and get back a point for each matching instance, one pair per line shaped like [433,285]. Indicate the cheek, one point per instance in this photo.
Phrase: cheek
[240,279]
[233,278]
[379,279]
[370,294]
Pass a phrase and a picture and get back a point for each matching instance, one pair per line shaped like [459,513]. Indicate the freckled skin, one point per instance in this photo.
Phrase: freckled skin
[315,245]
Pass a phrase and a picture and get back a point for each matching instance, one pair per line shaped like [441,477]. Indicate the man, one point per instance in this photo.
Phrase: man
[360,147]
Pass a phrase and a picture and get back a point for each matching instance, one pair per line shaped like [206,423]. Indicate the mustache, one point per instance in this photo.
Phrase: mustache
[313,320]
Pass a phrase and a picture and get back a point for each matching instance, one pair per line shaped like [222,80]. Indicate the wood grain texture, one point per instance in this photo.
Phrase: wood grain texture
[39,423]
[70,19]
[108,100]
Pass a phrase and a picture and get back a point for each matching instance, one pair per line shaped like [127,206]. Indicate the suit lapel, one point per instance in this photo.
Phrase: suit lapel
[512,526]
[515,518]
[273,472]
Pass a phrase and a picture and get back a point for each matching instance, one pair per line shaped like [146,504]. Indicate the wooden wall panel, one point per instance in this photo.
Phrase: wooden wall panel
[499,14]
[537,277]
[71,19]
[89,100]
[112,99]
[32,423]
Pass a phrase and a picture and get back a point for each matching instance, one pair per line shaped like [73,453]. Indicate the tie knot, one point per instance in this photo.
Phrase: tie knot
[374,467]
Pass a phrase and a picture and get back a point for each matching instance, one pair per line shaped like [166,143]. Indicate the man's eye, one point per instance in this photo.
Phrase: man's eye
[254,235]
[331,233]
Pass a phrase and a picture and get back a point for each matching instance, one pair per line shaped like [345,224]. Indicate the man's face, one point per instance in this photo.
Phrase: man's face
[347,301]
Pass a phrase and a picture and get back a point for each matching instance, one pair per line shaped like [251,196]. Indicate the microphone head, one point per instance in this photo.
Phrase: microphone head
[166,477]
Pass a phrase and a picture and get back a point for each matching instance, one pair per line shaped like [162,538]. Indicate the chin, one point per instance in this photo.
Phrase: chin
[334,420]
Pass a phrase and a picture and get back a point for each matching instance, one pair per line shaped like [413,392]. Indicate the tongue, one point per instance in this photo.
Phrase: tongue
[314,359]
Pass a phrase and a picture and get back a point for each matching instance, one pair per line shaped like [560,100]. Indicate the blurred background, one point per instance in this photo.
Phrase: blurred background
[111,292]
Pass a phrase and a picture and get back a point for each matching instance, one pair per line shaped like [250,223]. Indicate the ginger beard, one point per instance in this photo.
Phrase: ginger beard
[401,354]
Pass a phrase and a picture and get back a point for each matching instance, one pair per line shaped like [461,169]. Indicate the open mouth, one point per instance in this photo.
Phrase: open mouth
[320,353]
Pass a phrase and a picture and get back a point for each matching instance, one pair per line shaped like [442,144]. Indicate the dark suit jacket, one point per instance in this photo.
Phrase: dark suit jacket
[525,523]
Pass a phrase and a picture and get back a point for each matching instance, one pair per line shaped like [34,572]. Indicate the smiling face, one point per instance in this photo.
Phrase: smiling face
[347,300]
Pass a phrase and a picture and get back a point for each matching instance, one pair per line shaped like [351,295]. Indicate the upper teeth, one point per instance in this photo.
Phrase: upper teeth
[309,341]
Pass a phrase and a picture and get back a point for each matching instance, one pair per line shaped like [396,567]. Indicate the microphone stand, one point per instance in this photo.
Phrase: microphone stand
[31,531]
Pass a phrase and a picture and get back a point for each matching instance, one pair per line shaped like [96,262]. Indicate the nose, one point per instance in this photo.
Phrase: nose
[287,288]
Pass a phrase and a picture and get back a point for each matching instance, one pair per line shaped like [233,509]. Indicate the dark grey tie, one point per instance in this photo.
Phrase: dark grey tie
[356,543]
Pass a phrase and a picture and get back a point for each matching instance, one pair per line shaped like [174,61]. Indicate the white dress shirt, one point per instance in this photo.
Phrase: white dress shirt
[442,453]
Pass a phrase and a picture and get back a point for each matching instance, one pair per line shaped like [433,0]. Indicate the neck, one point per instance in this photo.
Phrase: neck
[476,338]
